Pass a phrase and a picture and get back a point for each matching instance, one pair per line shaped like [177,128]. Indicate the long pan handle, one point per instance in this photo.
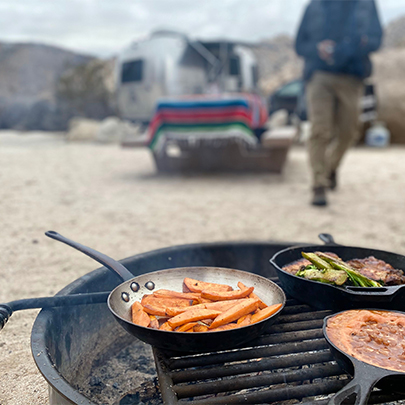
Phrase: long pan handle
[105,260]
[6,310]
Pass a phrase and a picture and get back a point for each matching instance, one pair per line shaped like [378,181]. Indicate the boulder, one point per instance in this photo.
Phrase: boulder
[389,81]
[82,130]
[114,130]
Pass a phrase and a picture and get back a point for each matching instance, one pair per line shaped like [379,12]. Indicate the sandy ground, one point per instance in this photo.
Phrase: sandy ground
[113,200]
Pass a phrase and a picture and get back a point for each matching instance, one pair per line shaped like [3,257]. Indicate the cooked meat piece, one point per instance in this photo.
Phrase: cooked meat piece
[295,266]
[378,270]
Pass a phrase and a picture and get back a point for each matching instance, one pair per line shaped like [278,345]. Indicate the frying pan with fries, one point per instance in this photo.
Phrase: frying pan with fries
[121,299]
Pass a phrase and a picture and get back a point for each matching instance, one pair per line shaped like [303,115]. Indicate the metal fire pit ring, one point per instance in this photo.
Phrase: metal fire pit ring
[62,336]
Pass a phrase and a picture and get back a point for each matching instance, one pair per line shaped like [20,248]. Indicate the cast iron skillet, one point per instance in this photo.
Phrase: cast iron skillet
[326,296]
[133,288]
[366,376]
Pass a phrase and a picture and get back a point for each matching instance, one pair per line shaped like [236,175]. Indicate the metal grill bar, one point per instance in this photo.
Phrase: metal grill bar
[275,395]
[251,367]
[318,371]
[291,362]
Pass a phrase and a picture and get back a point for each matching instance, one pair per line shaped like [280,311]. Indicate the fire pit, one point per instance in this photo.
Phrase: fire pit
[88,359]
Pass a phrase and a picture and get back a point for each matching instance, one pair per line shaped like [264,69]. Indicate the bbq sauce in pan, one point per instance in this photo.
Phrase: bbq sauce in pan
[372,336]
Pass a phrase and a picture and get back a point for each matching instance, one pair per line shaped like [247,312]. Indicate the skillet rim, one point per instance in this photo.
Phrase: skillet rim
[267,280]
[345,289]
[351,358]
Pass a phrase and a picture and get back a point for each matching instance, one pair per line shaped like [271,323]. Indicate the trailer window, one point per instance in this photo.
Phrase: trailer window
[255,75]
[234,66]
[132,71]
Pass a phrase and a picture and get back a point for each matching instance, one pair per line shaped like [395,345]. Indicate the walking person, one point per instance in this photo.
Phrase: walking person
[335,38]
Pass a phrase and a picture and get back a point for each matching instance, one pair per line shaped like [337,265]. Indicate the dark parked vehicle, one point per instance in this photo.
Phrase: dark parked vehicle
[291,97]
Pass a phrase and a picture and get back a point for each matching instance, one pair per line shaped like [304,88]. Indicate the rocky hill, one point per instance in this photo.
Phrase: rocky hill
[30,75]
[43,87]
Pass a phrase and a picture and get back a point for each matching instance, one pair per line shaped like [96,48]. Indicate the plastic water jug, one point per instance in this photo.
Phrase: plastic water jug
[378,135]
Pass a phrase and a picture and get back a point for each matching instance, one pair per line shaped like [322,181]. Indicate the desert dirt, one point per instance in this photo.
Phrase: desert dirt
[113,200]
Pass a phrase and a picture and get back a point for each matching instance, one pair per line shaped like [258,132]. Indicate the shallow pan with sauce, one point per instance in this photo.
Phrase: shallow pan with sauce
[365,376]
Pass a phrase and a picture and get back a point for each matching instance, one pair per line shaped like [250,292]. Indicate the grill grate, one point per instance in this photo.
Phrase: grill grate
[290,364]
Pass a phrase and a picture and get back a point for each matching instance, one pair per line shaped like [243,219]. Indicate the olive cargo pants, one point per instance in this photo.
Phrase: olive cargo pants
[333,109]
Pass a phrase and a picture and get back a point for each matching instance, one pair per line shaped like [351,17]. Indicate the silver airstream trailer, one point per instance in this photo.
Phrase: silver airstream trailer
[170,64]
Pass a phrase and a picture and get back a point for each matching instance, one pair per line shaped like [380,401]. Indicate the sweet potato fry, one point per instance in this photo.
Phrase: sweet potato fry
[191,316]
[173,311]
[139,316]
[200,328]
[262,305]
[175,294]
[166,326]
[244,320]
[198,286]
[265,313]
[226,295]
[165,301]
[202,300]
[207,322]
[223,305]
[157,306]
[154,323]
[153,310]
[224,327]
[232,314]
[186,327]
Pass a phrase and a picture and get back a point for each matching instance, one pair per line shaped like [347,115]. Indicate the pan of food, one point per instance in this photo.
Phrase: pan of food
[368,344]
[338,277]
[187,309]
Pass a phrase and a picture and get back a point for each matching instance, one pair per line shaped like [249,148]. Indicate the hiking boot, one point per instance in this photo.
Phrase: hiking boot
[319,196]
[332,180]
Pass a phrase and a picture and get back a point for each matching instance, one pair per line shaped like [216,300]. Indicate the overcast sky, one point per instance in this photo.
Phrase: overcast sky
[104,27]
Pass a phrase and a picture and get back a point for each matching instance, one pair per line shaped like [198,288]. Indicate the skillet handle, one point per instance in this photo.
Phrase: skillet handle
[390,291]
[361,386]
[327,238]
[5,313]
[105,260]
[6,310]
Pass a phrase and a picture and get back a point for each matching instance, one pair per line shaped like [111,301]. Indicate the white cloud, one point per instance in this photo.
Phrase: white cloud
[106,26]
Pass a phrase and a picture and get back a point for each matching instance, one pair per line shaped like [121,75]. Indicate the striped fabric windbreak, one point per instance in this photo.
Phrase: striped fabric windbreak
[208,117]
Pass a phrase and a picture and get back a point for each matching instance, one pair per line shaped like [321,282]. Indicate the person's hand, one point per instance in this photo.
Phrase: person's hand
[326,49]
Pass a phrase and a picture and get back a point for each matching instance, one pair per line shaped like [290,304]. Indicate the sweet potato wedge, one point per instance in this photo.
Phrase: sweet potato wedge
[262,305]
[223,305]
[139,316]
[154,323]
[244,320]
[191,316]
[173,311]
[226,295]
[157,305]
[200,328]
[165,301]
[265,313]
[186,327]
[198,286]
[224,327]
[175,294]
[166,326]
[232,314]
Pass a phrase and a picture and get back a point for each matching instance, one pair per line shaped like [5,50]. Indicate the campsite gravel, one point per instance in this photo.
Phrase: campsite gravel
[112,199]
